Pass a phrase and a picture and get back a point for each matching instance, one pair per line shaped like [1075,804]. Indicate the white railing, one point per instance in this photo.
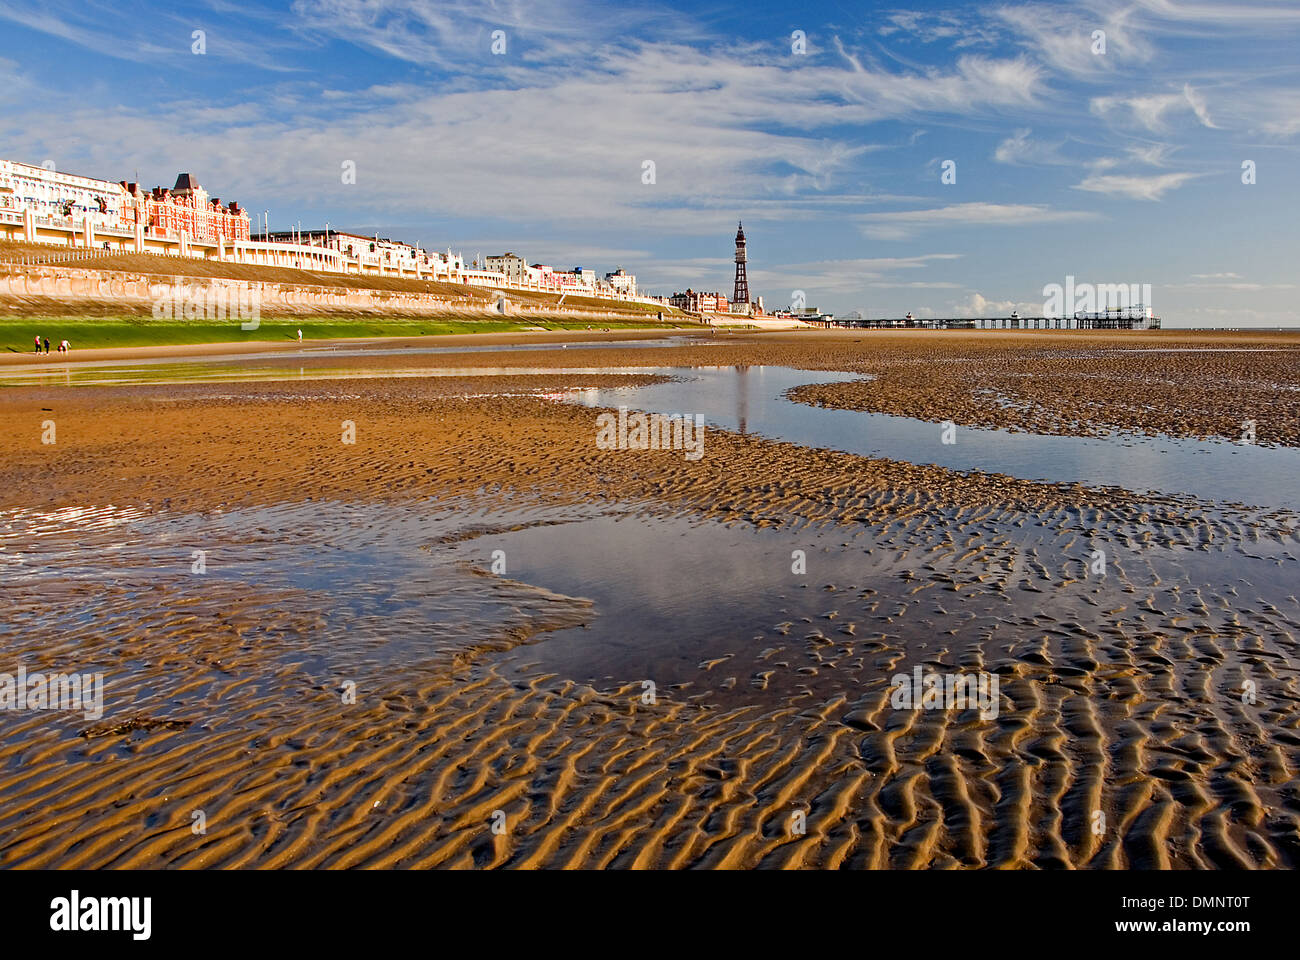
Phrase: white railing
[72,256]
[469,277]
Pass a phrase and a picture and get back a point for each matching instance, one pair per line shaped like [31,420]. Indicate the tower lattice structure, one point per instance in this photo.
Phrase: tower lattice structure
[741,293]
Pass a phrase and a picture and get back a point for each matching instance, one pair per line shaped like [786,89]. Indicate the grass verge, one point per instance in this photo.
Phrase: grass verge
[100,332]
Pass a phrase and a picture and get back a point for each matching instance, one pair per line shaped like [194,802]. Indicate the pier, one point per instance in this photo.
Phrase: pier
[1123,318]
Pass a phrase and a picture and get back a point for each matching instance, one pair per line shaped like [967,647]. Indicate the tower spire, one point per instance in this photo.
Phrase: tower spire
[741,292]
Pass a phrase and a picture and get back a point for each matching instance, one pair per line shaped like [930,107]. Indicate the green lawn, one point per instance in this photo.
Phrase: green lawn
[89,332]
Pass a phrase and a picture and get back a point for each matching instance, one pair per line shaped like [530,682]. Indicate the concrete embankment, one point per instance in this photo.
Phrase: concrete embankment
[38,288]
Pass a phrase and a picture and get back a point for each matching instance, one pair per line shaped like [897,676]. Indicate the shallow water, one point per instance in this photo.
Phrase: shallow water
[605,596]
[107,375]
[390,600]
[649,596]
[318,361]
[352,684]
[751,400]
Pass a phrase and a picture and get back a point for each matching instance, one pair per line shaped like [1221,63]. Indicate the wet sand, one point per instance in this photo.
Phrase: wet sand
[1196,384]
[524,692]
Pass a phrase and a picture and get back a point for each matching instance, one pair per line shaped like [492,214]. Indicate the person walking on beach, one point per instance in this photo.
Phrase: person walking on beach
[38,343]
[300,334]
[47,346]
[64,347]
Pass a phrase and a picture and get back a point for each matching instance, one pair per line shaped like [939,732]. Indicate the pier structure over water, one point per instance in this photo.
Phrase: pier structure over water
[1123,318]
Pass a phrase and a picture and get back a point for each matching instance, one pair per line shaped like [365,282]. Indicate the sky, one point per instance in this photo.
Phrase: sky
[948,160]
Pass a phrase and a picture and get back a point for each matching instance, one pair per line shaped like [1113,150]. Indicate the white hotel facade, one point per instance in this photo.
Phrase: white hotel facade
[579,281]
[42,205]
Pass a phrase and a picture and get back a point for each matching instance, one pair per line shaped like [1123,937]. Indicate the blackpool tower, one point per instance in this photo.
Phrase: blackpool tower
[741,293]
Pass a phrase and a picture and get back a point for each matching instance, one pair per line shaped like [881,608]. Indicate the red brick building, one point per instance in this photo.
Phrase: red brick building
[694,301]
[185,207]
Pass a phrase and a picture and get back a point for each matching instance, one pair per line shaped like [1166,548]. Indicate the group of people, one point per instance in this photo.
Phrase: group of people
[64,347]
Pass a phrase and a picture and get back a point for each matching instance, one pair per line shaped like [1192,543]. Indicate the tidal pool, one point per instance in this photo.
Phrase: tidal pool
[752,400]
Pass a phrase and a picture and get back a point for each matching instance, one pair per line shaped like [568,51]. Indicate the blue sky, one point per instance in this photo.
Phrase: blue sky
[1116,167]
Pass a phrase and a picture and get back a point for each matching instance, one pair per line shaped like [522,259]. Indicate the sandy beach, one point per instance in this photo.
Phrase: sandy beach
[351,683]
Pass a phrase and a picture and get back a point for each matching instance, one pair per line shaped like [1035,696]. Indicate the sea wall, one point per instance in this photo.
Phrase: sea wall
[149,292]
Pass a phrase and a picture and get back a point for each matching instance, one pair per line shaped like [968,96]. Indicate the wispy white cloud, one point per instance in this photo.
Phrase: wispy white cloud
[1149,154]
[903,223]
[819,279]
[977,305]
[953,29]
[1239,285]
[1151,110]
[1135,187]
[1022,149]
[167,38]
[1273,113]
[549,140]
[456,32]
[1064,36]
[1220,15]
[562,142]
[857,276]
[1197,102]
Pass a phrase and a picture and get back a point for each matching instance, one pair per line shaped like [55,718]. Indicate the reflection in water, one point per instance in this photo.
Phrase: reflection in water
[476,689]
[640,595]
[742,399]
[102,375]
[170,370]
[753,399]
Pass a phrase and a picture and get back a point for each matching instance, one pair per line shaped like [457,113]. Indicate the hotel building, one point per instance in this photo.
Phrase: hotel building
[43,205]
[356,253]
[694,301]
[621,283]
